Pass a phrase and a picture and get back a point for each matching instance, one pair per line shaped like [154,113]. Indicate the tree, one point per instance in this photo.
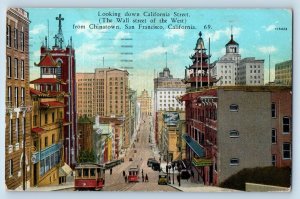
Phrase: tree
[86,156]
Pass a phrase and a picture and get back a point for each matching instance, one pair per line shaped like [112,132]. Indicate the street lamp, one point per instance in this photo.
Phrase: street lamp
[24,109]
[173,174]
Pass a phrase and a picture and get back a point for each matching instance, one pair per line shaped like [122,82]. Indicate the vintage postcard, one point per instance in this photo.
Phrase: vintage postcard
[148,99]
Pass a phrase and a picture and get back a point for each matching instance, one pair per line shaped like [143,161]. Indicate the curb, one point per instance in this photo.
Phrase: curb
[175,187]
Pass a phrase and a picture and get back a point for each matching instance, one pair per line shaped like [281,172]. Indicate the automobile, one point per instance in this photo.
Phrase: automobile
[130,159]
[149,162]
[185,174]
[162,178]
[155,166]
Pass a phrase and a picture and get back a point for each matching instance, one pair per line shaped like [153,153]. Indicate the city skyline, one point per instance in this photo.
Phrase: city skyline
[269,32]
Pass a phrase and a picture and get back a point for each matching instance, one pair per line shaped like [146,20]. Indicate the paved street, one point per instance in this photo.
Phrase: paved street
[116,181]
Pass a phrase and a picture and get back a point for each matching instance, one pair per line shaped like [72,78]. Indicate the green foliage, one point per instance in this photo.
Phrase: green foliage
[86,157]
[260,175]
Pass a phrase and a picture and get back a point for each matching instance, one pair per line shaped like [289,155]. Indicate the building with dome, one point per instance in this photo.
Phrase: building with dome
[231,70]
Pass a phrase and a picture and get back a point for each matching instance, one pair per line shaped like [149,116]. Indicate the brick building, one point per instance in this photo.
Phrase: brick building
[17,118]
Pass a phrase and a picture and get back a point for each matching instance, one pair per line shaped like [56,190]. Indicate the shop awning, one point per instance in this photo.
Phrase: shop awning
[65,170]
[195,146]
[37,130]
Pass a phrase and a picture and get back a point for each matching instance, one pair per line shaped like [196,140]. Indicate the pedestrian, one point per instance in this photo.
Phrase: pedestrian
[146,178]
[142,171]
[125,178]
[123,173]
[143,178]
[110,171]
[192,173]
[178,179]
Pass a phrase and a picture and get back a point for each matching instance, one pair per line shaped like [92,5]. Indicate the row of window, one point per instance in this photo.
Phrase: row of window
[17,130]
[16,70]
[170,92]
[18,38]
[16,96]
[172,105]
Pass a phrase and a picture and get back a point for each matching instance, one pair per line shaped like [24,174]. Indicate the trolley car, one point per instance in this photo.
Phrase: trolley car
[133,174]
[89,176]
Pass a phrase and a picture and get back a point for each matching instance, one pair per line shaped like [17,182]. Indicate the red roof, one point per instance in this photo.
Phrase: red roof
[47,61]
[52,104]
[193,96]
[46,81]
[35,92]
[37,130]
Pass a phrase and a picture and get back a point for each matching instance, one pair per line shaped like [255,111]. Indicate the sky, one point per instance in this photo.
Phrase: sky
[142,52]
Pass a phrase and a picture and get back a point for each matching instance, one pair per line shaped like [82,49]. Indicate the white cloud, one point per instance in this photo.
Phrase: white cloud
[90,33]
[159,50]
[37,29]
[175,32]
[267,49]
[216,35]
[271,27]
[121,35]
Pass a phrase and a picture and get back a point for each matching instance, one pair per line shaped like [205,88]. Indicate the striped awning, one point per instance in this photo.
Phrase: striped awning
[194,145]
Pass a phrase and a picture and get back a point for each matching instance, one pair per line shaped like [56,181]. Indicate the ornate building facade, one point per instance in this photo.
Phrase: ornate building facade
[64,56]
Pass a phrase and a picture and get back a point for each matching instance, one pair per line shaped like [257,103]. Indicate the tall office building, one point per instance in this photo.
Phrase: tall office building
[104,93]
[166,90]
[283,73]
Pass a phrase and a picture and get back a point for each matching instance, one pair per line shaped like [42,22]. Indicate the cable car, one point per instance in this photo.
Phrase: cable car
[133,174]
[89,176]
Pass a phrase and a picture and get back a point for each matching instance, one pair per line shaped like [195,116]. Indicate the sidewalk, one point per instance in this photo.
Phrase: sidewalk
[188,186]
[68,185]
[61,187]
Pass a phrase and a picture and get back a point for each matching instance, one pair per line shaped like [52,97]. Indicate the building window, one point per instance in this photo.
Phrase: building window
[9,94]
[234,107]
[274,160]
[8,35]
[22,95]
[46,141]
[17,130]
[16,68]
[10,132]
[53,117]
[8,63]
[22,40]
[234,134]
[286,124]
[286,150]
[273,110]
[34,120]
[53,138]
[274,136]
[46,118]
[16,97]
[16,39]
[11,168]
[234,161]
[22,70]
